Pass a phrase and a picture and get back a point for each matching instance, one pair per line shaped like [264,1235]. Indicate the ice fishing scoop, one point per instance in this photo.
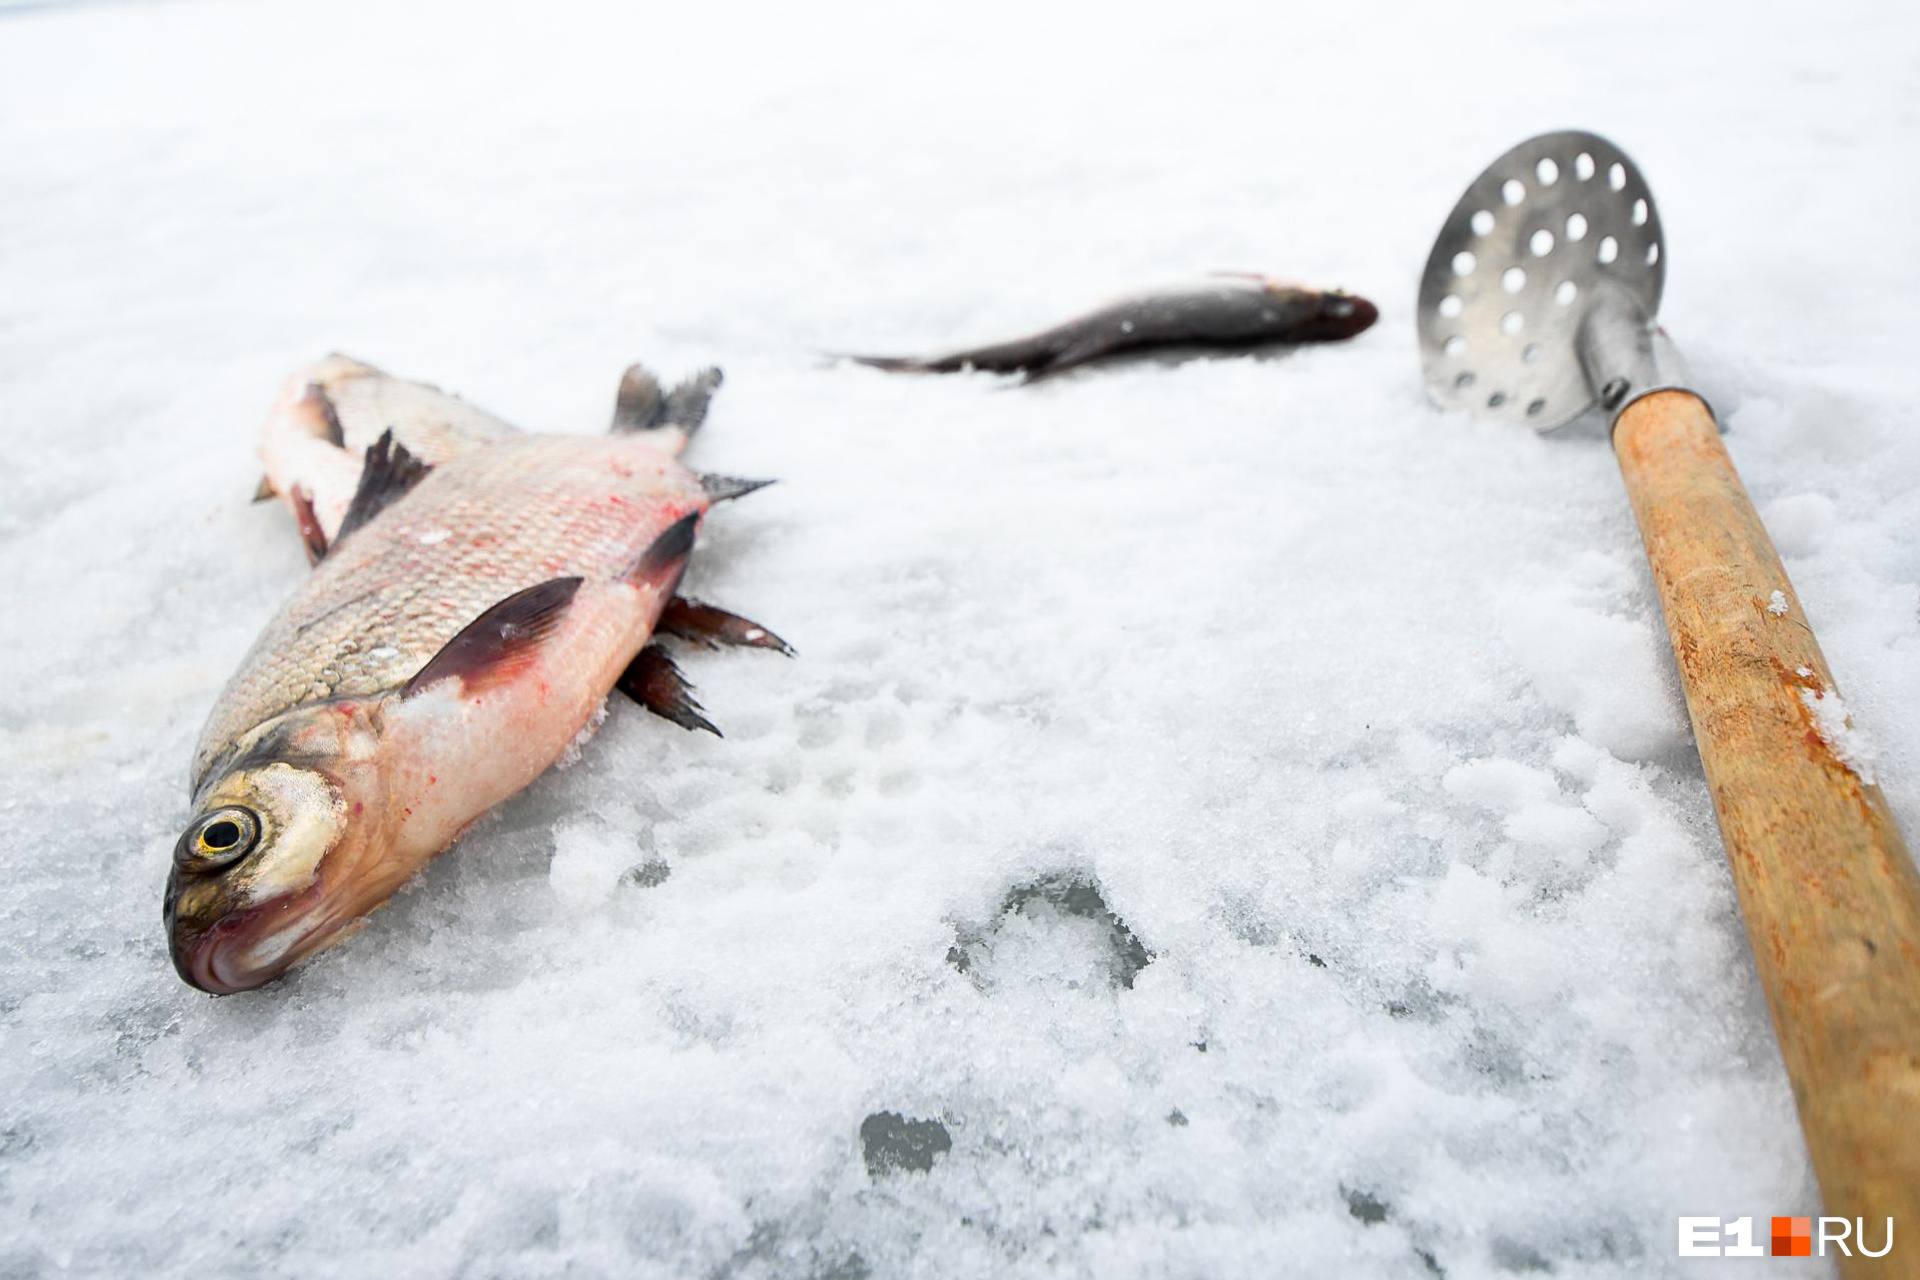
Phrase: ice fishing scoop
[1537,305]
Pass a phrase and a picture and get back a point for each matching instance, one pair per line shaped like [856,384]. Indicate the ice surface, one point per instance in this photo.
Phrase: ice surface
[1224,819]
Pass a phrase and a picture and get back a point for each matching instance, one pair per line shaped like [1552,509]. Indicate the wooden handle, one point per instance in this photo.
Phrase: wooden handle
[1830,894]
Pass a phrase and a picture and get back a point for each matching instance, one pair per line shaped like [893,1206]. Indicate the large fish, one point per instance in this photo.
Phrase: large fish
[1228,310]
[466,624]
[328,414]
[331,416]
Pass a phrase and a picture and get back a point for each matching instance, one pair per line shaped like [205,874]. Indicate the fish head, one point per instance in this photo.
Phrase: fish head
[1338,314]
[272,867]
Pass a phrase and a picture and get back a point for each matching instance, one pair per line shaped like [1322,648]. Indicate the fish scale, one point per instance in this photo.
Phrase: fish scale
[478,528]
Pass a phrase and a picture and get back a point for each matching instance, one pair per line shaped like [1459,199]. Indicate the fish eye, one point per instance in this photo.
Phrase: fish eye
[1340,305]
[224,836]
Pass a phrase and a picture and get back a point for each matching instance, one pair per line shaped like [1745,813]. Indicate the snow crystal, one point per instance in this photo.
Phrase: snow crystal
[1238,740]
[1849,745]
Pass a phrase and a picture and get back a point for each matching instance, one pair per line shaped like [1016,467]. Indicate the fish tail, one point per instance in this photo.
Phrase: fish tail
[644,405]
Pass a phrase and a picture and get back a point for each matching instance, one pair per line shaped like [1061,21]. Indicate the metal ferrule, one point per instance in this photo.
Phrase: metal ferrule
[1624,354]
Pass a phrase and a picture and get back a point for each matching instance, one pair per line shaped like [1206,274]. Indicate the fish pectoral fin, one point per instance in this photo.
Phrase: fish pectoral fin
[894,364]
[655,683]
[642,405]
[711,627]
[722,488]
[312,536]
[663,563]
[1076,353]
[388,476]
[500,642]
[264,491]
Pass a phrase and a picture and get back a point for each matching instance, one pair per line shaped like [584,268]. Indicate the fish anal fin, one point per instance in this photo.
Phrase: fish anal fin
[655,683]
[711,627]
[662,564]
[500,643]
[389,475]
[312,536]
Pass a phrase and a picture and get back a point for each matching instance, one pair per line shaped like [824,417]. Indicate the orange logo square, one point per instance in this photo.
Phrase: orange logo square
[1792,1237]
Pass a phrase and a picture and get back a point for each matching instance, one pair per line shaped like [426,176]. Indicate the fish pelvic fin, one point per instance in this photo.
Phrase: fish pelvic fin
[264,491]
[501,642]
[312,536]
[663,562]
[643,405]
[388,476]
[711,627]
[653,681]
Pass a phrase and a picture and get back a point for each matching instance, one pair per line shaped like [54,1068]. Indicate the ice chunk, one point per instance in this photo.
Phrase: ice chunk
[1850,746]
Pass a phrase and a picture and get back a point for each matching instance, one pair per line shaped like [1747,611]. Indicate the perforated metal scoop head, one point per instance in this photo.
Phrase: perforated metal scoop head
[1515,266]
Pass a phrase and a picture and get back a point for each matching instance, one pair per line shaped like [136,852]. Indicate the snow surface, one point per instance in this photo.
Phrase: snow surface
[1225,819]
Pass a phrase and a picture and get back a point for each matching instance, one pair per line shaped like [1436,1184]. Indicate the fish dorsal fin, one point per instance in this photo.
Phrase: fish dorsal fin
[655,683]
[388,476]
[662,563]
[501,642]
[721,488]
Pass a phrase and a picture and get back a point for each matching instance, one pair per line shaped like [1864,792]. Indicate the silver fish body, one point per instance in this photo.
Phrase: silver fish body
[1227,311]
[438,660]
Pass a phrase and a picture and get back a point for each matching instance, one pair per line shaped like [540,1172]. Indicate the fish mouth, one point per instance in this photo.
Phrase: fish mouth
[1344,315]
[251,947]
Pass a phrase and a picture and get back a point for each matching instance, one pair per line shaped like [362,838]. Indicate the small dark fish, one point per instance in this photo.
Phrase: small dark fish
[1230,311]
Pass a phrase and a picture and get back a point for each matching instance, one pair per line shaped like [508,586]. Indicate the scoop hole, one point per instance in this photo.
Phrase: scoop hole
[1464,381]
[1534,407]
[1451,306]
[1640,213]
[1653,254]
[1583,166]
[1617,176]
[1513,191]
[1464,263]
[1609,250]
[1541,243]
[1497,399]
[1613,393]
[1566,292]
[1455,345]
[1482,222]
[1513,279]
[1548,171]
[1576,226]
[1512,323]
[1532,353]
